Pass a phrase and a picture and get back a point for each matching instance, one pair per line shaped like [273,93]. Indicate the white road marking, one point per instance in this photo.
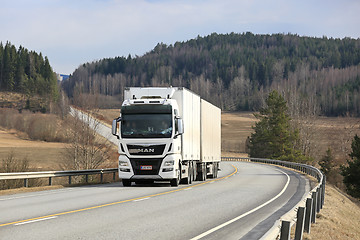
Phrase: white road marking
[37,220]
[187,189]
[142,199]
[245,214]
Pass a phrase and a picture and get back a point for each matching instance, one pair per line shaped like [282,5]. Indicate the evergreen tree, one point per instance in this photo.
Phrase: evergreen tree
[351,172]
[273,137]
[327,163]
[26,72]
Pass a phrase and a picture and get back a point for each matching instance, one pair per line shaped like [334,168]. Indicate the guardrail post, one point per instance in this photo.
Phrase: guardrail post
[50,181]
[313,211]
[114,176]
[318,192]
[309,205]
[101,177]
[285,230]
[26,182]
[323,192]
[69,180]
[87,178]
[300,223]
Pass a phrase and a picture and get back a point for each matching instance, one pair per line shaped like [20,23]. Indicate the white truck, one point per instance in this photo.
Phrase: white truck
[167,134]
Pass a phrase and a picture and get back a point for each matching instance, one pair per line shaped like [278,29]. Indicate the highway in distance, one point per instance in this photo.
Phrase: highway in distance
[243,202]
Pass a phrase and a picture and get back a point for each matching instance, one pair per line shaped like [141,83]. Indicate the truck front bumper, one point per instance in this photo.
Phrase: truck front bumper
[148,168]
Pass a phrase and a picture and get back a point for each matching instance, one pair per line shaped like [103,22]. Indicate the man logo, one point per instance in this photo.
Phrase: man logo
[142,150]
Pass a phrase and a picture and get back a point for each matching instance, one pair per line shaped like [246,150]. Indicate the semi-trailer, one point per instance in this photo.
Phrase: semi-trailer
[167,134]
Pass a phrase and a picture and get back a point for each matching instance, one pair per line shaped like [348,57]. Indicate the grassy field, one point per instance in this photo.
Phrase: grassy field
[41,155]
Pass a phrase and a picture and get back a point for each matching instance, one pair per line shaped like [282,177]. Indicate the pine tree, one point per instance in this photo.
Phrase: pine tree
[327,163]
[351,172]
[273,137]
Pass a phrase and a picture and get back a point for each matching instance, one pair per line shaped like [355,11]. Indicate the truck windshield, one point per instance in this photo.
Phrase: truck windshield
[143,123]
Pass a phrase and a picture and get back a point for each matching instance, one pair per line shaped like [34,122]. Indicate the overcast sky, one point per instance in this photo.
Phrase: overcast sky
[73,32]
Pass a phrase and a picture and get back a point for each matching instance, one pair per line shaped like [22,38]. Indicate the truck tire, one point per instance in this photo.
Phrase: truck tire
[216,168]
[188,179]
[191,173]
[175,181]
[203,173]
[126,182]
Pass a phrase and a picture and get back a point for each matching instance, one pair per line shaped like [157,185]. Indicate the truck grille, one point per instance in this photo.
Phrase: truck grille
[138,163]
[146,150]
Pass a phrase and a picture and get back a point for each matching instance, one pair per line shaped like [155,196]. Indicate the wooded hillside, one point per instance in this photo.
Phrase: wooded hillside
[236,71]
[26,72]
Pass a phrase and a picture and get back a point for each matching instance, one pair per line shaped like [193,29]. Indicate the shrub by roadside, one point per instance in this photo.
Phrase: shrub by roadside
[11,164]
[37,126]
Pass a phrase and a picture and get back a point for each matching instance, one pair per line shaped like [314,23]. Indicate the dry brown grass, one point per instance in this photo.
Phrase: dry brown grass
[107,115]
[235,128]
[41,155]
[339,218]
[336,133]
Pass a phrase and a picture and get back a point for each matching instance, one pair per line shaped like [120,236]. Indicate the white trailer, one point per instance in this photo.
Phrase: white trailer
[167,134]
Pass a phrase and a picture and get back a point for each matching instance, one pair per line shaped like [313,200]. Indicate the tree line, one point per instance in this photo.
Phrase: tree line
[236,71]
[26,72]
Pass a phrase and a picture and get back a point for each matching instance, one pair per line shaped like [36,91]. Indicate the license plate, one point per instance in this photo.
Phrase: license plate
[145,167]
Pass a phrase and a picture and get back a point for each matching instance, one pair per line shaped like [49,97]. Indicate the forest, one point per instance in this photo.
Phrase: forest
[236,71]
[26,72]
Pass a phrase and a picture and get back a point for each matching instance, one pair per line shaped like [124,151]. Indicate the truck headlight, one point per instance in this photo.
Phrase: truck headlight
[124,170]
[123,163]
[168,169]
[169,163]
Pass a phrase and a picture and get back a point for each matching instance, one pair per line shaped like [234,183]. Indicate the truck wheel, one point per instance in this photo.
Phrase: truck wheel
[193,176]
[175,181]
[191,173]
[188,179]
[126,182]
[201,174]
[216,168]
[204,172]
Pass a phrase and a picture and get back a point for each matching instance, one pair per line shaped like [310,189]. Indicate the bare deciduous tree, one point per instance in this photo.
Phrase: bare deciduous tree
[86,150]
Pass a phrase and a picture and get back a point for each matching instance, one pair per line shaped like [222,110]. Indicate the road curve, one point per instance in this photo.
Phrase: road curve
[244,202]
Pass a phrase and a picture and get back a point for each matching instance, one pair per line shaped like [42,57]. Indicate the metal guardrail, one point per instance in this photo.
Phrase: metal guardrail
[51,174]
[304,213]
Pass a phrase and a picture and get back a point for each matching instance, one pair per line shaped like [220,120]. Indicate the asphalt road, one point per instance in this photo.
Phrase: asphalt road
[244,202]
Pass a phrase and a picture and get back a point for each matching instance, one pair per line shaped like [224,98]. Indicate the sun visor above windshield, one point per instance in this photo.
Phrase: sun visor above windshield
[146,108]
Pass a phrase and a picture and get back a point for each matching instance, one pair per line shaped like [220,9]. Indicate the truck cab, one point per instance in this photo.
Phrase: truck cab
[153,145]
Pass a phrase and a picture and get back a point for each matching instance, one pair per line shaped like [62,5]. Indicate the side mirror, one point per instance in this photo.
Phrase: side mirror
[114,129]
[180,126]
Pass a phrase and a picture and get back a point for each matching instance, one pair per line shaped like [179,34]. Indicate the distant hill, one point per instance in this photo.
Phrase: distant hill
[25,71]
[236,71]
